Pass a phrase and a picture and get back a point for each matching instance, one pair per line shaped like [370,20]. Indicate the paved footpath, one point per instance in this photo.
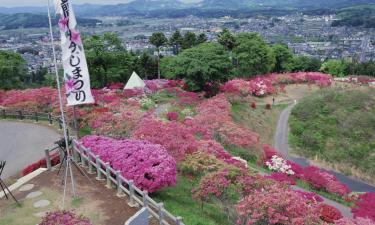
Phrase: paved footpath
[23,143]
[281,145]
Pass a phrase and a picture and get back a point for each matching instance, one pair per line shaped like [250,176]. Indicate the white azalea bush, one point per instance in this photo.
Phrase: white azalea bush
[278,164]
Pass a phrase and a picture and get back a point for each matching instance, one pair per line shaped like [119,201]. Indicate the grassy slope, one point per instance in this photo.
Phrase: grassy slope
[337,126]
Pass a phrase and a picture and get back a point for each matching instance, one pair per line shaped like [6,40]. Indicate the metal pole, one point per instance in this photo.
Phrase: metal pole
[61,107]
[75,122]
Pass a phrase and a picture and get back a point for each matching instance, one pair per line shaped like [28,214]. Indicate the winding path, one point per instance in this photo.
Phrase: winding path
[22,144]
[281,144]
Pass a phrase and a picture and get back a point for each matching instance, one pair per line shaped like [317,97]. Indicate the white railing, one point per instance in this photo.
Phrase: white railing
[113,178]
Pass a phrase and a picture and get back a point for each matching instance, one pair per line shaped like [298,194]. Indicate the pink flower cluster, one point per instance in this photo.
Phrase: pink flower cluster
[265,85]
[365,206]
[320,179]
[64,218]
[329,213]
[277,205]
[356,221]
[148,165]
[172,116]
[282,178]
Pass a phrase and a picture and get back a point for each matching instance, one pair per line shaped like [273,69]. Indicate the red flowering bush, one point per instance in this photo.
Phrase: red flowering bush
[320,179]
[365,206]
[282,178]
[275,204]
[116,86]
[329,213]
[310,196]
[149,165]
[172,116]
[268,106]
[55,159]
[253,105]
[187,98]
[64,218]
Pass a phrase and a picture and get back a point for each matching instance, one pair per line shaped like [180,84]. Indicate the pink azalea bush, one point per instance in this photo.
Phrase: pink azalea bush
[275,204]
[64,218]
[356,221]
[148,165]
[172,116]
[282,178]
[329,213]
[365,206]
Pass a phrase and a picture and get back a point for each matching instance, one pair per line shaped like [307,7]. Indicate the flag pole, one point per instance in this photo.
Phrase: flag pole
[68,161]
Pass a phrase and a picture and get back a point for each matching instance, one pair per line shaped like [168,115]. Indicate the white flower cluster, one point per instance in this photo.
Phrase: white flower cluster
[279,164]
[261,88]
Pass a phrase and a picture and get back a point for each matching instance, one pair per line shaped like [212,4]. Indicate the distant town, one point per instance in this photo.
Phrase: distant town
[307,35]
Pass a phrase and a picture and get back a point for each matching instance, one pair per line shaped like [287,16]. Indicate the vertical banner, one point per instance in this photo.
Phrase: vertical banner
[76,74]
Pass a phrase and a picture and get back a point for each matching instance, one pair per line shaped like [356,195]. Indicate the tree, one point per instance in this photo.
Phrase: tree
[337,68]
[158,39]
[108,60]
[227,40]
[204,64]
[147,66]
[13,70]
[202,38]
[253,55]
[176,41]
[283,56]
[303,64]
[189,40]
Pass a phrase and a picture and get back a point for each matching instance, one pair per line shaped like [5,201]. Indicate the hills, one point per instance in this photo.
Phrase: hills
[30,20]
[362,16]
[144,7]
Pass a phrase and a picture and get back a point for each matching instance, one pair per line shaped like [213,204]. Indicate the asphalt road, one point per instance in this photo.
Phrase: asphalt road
[22,144]
[281,145]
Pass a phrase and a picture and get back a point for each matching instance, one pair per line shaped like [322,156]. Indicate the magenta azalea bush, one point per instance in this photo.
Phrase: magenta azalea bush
[64,218]
[148,165]
[356,221]
[365,206]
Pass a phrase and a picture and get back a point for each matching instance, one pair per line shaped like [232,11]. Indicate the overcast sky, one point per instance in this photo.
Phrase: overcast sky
[13,3]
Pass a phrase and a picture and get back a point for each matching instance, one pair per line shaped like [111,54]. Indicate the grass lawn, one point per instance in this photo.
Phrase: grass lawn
[336,128]
[178,201]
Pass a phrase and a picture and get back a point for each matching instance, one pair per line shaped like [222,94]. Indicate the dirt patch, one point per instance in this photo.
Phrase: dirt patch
[94,201]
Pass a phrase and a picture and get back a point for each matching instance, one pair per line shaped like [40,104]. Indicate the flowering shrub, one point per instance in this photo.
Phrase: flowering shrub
[275,204]
[279,164]
[148,165]
[253,105]
[116,86]
[320,179]
[172,116]
[176,138]
[356,221]
[365,206]
[64,218]
[310,196]
[329,213]
[282,178]
[55,159]
[187,98]
[268,106]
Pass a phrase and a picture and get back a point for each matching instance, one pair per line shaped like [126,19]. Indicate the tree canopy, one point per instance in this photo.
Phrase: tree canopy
[199,66]
[13,70]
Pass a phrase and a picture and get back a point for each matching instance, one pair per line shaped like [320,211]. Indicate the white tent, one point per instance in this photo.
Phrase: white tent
[134,82]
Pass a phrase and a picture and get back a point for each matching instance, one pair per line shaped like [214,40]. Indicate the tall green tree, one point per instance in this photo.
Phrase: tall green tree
[227,39]
[337,68]
[190,40]
[253,55]
[303,64]
[108,60]
[283,56]
[207,63]
[158,39]
[13,70]
[147,66]
[202,38]
[176,41]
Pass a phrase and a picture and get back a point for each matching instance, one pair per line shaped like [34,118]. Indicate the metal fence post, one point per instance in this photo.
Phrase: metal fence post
[60,124]
[119,183]
[179,220]
[99,177]
[4,114]
[161,213]
[108,174]
[132,202]
[20,115]
[48,159]
[145,201]
[36,117]
[49,118]
[91,169]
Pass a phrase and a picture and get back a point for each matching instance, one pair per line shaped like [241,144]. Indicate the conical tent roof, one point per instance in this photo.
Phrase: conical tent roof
[135,82]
